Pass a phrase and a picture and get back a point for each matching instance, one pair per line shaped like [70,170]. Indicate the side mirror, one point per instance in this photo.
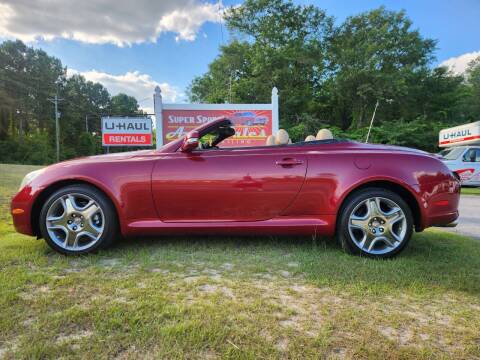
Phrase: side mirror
[190,142]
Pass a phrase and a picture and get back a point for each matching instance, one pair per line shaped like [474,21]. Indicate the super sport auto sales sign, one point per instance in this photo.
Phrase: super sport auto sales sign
[252,127]
[118,131]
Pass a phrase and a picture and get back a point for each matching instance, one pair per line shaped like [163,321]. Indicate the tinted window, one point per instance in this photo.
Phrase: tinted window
[472,155]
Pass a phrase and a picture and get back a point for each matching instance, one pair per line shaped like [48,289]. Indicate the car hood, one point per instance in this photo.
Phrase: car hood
[104,158]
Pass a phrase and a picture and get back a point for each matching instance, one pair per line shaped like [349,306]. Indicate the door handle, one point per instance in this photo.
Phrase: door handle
[287,162]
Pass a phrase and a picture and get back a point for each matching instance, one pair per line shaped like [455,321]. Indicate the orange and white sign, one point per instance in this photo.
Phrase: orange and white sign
[468,134]
[252,127]
[253,123]
[119,131]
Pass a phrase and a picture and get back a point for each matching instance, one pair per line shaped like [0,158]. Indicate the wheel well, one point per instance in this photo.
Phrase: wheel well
[399,190]
[45,194]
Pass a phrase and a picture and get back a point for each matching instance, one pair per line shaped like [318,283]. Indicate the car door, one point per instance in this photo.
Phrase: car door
[238,184]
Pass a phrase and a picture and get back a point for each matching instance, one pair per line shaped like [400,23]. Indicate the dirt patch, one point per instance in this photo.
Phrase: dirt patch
[33,292]
[109,262]
[160,271]
[73,337]
[191,279]
[8,346]
[209,288]
[282,344]
[227,266]
[212,274]
[401,336]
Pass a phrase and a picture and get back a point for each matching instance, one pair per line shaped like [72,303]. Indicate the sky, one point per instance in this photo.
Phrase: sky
[132,46]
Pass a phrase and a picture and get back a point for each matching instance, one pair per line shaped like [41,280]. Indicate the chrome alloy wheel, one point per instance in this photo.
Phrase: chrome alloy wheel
[75,222]
[377,225]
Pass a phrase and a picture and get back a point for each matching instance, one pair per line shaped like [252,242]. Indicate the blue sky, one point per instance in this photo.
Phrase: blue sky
[116,48]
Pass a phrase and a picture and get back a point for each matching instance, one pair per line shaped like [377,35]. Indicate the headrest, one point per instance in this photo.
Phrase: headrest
[282,137]
[310,138]
[324,134]
[270,140]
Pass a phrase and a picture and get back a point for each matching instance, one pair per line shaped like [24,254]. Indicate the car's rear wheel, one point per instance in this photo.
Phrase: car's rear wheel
[78,219]
[375,222]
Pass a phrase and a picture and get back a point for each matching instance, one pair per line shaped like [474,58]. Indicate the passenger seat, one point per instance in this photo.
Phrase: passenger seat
[324,134]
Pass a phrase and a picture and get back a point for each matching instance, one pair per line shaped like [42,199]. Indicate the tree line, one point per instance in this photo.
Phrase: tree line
[29,80]
[332,75]
[328,74]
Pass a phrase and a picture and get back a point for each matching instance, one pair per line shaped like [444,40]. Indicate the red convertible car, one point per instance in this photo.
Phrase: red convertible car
[371,196]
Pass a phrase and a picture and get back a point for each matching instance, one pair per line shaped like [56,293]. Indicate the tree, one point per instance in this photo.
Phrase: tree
[28,78]
[473,88]
[123,105]
[332,76]
[276,43]
[375,55]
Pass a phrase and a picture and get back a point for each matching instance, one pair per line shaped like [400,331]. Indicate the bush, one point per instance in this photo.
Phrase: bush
[35,149]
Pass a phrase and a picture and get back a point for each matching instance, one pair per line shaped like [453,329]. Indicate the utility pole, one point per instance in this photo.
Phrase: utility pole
[55,101]
[86,123]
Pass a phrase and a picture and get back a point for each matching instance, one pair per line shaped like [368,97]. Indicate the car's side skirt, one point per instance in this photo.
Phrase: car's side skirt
[323,225]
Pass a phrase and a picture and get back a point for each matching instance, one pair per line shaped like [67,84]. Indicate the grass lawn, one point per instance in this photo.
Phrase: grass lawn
[263,297]
[471,191]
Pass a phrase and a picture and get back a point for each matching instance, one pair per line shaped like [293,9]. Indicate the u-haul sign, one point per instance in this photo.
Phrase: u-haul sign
[467,134]
[119,131]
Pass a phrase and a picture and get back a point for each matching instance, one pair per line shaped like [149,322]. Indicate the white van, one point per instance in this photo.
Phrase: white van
[465,161]
[462,151]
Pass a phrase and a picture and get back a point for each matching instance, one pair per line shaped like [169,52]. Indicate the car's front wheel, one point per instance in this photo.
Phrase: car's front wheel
[375,222]
[78,219]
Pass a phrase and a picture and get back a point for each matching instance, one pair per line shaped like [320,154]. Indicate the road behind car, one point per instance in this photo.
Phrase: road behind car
[469,221]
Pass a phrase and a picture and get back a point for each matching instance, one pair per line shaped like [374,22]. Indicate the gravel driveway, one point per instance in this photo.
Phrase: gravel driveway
[469,221]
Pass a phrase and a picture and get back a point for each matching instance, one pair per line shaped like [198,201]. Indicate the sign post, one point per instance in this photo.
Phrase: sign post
[253,123]
[275,118]
[157,106]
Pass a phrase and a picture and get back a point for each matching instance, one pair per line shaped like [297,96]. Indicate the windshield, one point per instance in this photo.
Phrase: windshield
[444,152]
[453,154]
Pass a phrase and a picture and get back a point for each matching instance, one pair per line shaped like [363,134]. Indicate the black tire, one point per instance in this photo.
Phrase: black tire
[354,200]
[109,218]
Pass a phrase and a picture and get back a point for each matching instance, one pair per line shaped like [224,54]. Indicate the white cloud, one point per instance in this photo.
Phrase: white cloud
[459,64]
[121,22]
[140,86]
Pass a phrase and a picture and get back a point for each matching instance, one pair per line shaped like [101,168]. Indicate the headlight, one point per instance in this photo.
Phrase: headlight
[29,177]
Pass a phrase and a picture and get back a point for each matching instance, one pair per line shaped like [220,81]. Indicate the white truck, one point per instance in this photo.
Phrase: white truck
[461,151]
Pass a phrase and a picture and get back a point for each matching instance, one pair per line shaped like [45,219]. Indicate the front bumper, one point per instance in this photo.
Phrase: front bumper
[22,221]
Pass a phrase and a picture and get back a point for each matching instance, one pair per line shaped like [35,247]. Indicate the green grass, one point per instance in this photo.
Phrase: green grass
[471,191]
[217,297]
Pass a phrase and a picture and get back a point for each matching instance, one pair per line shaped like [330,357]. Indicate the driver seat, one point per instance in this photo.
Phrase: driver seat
[270,140]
